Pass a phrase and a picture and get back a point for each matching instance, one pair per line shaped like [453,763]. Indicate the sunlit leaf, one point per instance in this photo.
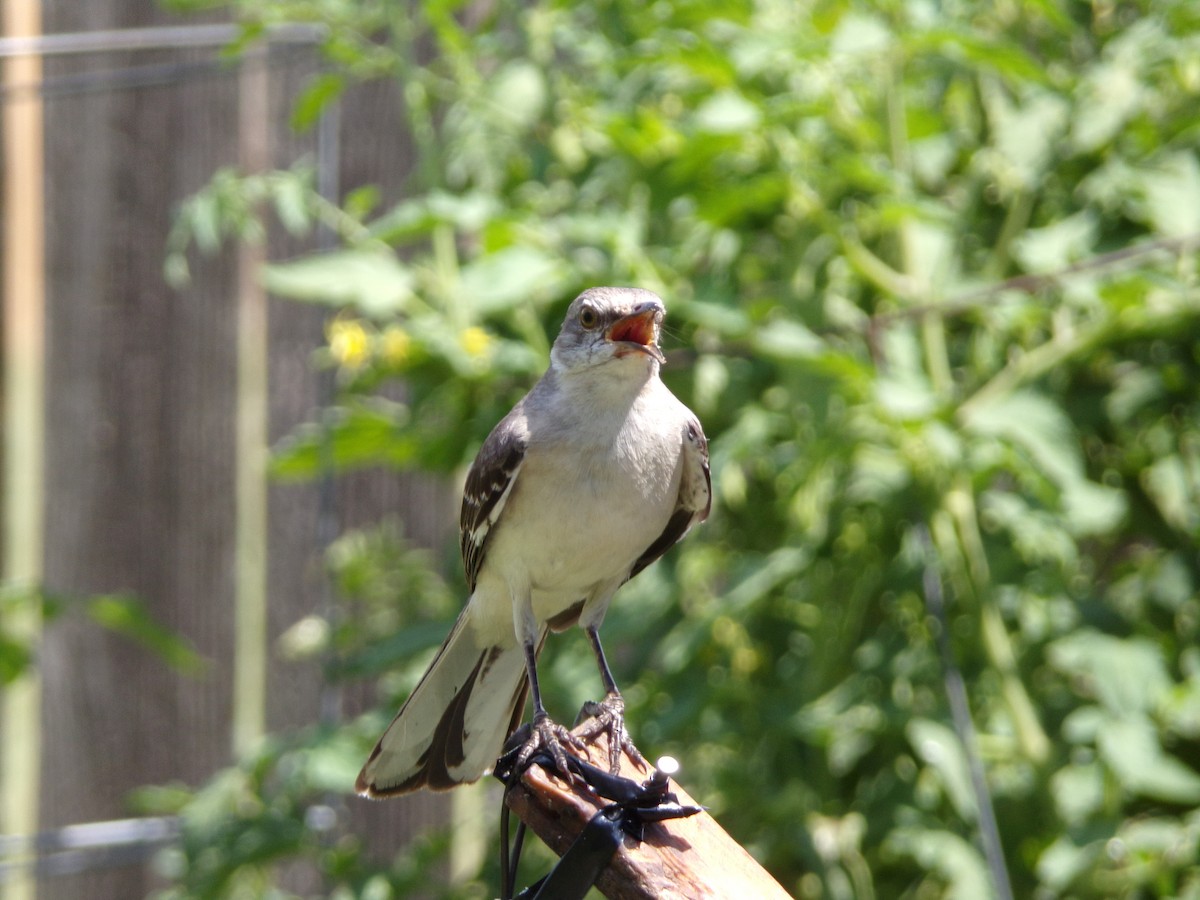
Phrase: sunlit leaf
[1065,860]
[1078,792]
[787,339]
[1130,746]
[506,278]
[942,750]
[519,92]
[726,112]
[1031,421]
[374,282]
[362,434]
[1058,245]
[956,862]
[1171,195]
[1108,96]
[1126,675]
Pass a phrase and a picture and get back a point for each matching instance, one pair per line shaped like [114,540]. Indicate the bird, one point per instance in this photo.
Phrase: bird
[591,477]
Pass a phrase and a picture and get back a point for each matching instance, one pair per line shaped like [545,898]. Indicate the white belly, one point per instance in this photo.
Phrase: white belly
[570,545]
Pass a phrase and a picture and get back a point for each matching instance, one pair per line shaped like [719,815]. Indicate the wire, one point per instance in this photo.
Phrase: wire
[138,77]
[964,726]
[84,847]
[164,37]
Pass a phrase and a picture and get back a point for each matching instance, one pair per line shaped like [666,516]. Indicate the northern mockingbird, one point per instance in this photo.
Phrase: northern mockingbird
[591,477]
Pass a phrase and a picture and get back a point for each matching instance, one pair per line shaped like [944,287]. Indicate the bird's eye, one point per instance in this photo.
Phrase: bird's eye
[588,318]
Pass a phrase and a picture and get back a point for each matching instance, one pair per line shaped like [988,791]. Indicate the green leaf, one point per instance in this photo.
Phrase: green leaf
[1108,96]
[1171,195]
[374,282]
[990,53]
[332,763]
[128,617]
[372,432]
[468,212]
[290,195]
[1170,482]
[858,34]
[384,655]
[509,277]
[1181,712]
[1132,750]
[1024,136]
[1058,245]
[15,658]
[519,94]
[942,750]
[1064,861]
[786,339]
[360,201]
[320,92]
[1078,792]
[727,321]
[1033,422]
[203,214]
[1127,675]
[727,112]
[952,859]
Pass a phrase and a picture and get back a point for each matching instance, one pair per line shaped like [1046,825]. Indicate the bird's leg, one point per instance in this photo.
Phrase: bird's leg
[608,716]
[547,734]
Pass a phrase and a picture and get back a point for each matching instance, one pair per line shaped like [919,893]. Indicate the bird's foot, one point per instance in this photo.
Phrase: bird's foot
[608,718]
[547,735]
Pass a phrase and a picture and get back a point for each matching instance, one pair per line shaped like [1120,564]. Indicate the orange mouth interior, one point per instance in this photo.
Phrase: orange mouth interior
[637,329]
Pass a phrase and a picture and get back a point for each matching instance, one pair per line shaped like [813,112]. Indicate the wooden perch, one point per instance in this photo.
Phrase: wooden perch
[680,859]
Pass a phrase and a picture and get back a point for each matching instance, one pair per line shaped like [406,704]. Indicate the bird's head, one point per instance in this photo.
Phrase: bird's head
[610,323]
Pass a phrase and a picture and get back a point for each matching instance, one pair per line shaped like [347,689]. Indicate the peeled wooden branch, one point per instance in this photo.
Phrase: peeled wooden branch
[679,859]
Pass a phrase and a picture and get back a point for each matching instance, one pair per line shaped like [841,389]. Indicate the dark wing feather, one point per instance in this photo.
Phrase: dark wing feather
[695,497]
[489,482]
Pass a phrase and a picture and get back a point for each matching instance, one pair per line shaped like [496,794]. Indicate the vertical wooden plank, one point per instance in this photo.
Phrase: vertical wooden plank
[24,423]
[250,455]
[140,433]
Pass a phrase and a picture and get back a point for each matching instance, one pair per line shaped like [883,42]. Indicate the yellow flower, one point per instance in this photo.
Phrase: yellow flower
[475,341]
[349,344]
[394,345]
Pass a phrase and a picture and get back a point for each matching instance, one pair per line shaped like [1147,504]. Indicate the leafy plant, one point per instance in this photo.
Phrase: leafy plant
[929,267]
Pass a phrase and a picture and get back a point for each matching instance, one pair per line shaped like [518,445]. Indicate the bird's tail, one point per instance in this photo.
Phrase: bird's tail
[455,722]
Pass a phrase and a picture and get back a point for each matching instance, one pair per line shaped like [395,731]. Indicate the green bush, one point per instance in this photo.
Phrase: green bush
[930,268]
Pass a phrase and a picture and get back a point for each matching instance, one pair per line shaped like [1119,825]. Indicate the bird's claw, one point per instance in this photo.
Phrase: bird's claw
[608,718]
[548,736]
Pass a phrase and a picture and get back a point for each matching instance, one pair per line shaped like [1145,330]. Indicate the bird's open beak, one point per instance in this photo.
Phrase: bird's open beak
[639,331]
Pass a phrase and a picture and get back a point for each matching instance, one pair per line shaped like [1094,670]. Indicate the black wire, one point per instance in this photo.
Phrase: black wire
[505,880]
[518,846]
[509,861]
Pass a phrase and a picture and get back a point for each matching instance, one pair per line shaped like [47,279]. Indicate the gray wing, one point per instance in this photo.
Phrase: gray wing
[489,482]
[695,496]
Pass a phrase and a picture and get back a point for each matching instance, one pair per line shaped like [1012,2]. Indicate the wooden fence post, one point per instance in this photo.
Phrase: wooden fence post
[679,859]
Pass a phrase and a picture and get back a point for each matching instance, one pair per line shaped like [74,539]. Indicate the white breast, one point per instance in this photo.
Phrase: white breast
[588,504]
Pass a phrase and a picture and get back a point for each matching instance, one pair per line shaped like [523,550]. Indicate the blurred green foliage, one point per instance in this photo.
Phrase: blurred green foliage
[927,264]
[119,614]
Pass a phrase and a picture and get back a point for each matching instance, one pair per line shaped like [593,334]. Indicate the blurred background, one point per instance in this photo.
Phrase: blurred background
[274,268]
